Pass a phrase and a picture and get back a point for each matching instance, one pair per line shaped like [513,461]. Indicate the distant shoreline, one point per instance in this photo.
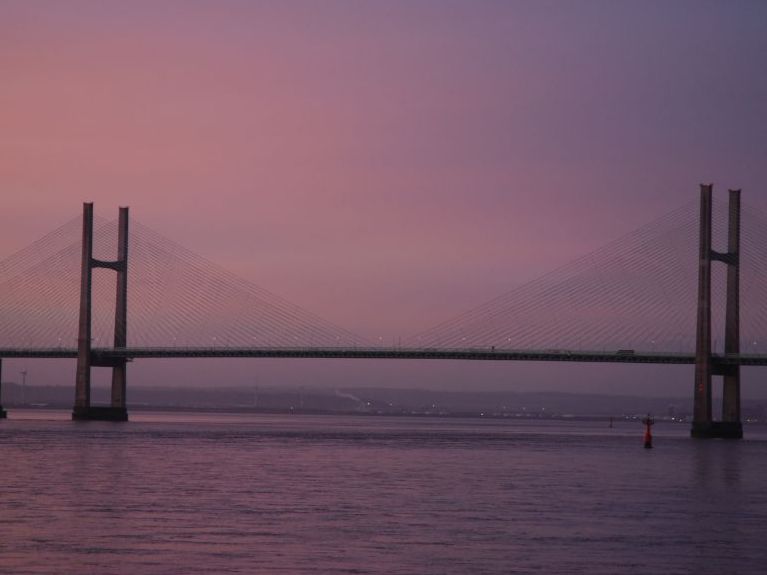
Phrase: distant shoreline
[309,412]
[395,402]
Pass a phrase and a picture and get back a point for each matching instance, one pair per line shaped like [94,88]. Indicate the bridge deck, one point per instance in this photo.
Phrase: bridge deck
[473,354]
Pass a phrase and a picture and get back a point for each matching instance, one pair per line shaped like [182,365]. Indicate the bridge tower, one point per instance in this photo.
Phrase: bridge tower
[3,413]
[703,424]
[83,410]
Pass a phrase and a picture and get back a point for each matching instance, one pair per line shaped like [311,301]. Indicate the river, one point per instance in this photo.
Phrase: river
[242,493]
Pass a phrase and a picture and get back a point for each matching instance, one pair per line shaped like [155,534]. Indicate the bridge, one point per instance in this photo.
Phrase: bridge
[105,356]
[633,301]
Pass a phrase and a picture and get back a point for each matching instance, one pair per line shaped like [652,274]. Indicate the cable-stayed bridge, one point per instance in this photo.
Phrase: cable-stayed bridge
[644,298]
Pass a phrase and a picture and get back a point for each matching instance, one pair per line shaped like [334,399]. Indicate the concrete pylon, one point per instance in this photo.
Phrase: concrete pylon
[3,414]
[121,312]
[702,394]
[83,377]
[83,410]
[703,424]
[731,390]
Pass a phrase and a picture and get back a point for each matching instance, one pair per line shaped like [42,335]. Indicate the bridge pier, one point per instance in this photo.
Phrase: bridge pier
[83,410]
[703,425]
[3,413]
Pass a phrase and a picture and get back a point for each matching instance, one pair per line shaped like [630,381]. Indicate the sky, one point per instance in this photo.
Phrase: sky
[385,165]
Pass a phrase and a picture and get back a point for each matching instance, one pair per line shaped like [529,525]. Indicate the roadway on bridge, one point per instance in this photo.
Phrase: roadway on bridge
[471,354]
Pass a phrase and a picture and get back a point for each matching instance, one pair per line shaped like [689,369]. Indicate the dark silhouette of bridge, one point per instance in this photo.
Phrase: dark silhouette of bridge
[501,330]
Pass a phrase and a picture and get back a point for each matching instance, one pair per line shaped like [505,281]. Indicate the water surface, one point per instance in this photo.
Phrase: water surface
[232,493]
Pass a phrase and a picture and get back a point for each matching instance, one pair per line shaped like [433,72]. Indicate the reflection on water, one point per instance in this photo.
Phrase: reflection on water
[214,493]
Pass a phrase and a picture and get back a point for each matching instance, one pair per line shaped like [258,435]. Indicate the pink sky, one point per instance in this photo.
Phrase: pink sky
[383,164]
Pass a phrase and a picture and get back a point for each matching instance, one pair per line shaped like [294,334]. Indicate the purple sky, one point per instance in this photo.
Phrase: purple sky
[383,164]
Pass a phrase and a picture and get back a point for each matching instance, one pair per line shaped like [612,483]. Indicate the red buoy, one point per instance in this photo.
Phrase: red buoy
[648,421]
